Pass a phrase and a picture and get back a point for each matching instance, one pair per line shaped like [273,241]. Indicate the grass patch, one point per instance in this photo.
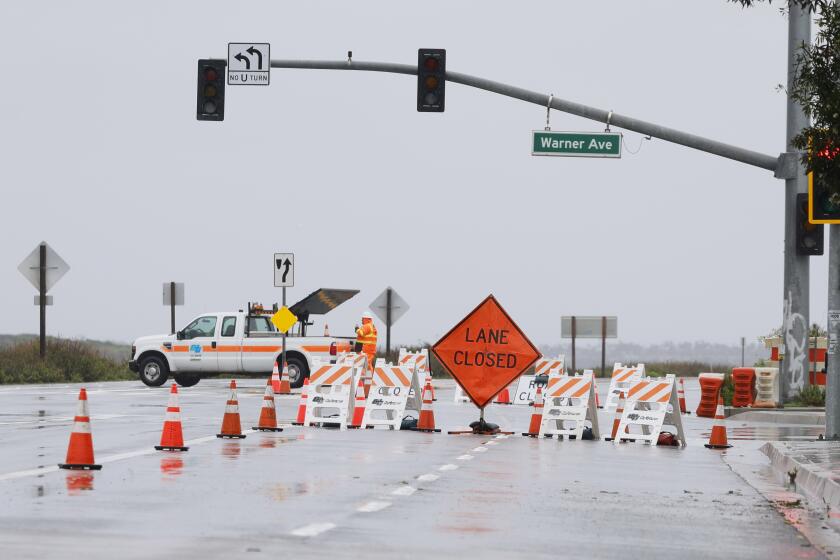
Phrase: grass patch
[67,361]
[812,395]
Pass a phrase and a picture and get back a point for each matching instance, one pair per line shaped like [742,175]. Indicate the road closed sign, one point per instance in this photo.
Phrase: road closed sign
[485,352]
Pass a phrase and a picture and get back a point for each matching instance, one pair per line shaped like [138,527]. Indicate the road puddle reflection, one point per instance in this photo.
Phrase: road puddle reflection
[79,482]
[231,450]
[171,467]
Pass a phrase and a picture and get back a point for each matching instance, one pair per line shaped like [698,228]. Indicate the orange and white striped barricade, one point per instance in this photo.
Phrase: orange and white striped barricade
[547,366]
[622,377]
[650,404]
[419,362]
[569,400]
[594,386]
[330,399]
[388,395]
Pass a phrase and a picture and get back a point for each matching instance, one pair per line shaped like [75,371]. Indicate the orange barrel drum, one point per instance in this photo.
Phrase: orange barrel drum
[744,380]
[710,384]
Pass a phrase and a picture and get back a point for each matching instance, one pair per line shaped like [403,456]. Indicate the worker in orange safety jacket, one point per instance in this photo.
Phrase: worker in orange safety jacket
[366,339]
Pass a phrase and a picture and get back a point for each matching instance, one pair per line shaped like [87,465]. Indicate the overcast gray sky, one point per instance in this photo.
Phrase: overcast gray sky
[102,157]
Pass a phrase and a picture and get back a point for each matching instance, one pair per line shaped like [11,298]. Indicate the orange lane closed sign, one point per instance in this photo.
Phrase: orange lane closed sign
[485,352]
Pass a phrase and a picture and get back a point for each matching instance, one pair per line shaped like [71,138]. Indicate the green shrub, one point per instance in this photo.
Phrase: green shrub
[812,395]
[66,361]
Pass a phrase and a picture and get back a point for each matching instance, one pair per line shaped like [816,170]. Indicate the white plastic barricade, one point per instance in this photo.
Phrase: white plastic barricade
[766,387]
[622,377]
[357,360]
[650,404]
[386,402]
[547,366]
[569,402]
[419,359]
[460,395]
[330,397]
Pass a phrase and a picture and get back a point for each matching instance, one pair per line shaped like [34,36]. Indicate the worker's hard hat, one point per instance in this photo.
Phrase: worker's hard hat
[367,315]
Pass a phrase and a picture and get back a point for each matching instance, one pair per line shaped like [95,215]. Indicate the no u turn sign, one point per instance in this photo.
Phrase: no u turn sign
[486,351]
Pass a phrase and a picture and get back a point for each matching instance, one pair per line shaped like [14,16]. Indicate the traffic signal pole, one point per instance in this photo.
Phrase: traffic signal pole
[832,366]
[787,166]
[793,376]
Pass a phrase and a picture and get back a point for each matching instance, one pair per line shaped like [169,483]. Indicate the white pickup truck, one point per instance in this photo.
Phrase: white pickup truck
[234,342]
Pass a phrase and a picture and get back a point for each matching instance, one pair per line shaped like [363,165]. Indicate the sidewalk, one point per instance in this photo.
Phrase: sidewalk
[816,465]
[801,416]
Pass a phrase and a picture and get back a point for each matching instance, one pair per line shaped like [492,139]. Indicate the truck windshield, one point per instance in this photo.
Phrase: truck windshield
[260,324]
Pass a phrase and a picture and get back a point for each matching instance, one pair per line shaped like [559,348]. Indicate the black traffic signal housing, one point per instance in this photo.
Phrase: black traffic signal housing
[431,80]
[210,95]
[809,236]
[823,202]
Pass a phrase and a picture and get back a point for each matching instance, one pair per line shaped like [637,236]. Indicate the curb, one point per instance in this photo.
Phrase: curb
[814,418]
[812,478]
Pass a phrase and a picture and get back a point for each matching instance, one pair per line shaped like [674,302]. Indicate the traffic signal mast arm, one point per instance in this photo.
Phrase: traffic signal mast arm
[783,166]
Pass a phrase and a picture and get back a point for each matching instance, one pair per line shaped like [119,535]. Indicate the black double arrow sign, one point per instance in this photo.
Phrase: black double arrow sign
[280,264]
[252,51]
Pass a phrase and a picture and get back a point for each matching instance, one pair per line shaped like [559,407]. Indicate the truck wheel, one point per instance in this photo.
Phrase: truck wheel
[154,371]
[298,371]
[186,379]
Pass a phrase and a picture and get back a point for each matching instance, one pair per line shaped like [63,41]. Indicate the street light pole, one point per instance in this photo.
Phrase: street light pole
[794,375]
[832,366]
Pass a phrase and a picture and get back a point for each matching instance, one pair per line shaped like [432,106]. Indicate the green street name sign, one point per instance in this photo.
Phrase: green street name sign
[576,144]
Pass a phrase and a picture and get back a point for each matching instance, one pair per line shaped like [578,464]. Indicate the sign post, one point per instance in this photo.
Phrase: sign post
[284,277]
[173,294]
[43,268]
[575,327]
[485,353]
[389,307]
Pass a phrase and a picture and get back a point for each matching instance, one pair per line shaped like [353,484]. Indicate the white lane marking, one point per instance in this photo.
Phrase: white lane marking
[428,477]
[480,449]
[107,459]
[502,436]
[373,506]
[313,529]
[491,442]
[466,457]
[449,467]
[31,472]
[404,491]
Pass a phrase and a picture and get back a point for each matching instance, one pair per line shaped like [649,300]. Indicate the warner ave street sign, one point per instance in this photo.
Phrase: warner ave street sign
[576,144]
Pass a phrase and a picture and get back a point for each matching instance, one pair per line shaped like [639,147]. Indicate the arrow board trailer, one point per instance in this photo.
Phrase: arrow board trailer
[249,64]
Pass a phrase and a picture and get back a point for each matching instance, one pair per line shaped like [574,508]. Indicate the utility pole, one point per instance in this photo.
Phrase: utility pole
[832,366]
[794,375]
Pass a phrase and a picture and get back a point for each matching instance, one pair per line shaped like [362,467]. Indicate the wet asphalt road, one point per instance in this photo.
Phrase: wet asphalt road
[321,493]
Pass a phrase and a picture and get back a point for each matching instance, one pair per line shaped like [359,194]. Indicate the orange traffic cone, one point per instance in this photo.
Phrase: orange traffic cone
[426,423]
[717,439]
[359,405]
[431,387]
[681,396]
[275,379]
[326,330]
[80,449]
[301,413]
[597,398]
[268,414]
[619,412]
[231,428]
[285,387]
[172,437]
[503,398]
[536,416]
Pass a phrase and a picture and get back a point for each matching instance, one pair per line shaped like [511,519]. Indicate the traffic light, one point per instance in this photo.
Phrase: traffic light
[809,236]
[431,80]
[823,202]
[210,103]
